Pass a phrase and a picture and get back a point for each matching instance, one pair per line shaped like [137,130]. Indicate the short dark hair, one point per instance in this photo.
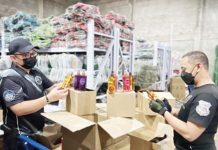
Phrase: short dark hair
[196,57]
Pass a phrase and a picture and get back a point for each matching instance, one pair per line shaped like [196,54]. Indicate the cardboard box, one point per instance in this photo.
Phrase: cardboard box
[80,133]
[81,102]
[51,136]
[144,101]
[121,104]
[160,138]
[177,88]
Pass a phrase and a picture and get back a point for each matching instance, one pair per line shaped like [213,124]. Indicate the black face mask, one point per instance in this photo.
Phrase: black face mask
[29,63]
[188,78]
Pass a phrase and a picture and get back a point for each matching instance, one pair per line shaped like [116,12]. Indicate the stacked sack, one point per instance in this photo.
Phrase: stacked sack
[126,28]
[71,28]
[42,35]
[19,25]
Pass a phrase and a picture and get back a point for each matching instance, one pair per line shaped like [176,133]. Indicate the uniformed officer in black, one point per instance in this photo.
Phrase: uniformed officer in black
[22,93]
[196,122]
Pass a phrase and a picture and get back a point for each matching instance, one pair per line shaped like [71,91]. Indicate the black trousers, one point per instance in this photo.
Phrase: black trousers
[11,142]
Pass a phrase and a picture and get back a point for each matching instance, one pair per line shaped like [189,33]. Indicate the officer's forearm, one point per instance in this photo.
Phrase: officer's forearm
[188,130]
[28,107]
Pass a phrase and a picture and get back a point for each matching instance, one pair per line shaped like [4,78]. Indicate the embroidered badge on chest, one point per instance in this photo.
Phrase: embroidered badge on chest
[9,95]
[203,108]
[38,80]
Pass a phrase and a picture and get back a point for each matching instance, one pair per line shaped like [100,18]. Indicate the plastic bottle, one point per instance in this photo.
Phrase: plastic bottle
[126,82]
[82,81]
[67,81]
[111,83]
[131,82]
[76,81]
[115,82]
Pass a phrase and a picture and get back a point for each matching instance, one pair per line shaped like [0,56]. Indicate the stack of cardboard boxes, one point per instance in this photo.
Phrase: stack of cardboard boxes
[83,128]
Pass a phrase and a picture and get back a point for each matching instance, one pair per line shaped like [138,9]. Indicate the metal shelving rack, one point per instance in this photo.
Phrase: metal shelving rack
[112,54]
[161,58]
[118,54]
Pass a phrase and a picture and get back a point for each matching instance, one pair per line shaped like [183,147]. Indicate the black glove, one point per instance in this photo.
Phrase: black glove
[158,106]
[167,105]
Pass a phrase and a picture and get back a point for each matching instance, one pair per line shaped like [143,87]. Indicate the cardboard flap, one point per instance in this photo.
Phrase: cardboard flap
[166,95]
[117,127]
[68,120]
[163,129]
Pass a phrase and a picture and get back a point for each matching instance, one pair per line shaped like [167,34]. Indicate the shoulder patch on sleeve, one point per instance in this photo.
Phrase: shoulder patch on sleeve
[9,95]
[203,108]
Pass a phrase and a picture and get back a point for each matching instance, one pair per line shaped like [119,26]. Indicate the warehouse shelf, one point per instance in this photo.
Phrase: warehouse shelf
[105,35]
[69,50]
[126,40]
[110,54]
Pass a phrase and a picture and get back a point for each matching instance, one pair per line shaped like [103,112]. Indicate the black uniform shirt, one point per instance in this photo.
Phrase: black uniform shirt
[201,109]
[18,86]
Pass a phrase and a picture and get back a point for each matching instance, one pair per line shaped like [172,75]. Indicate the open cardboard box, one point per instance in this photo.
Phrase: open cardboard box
[121,104]
[51,136]
[80,133]
[143,101]
[159,138]
[81,102]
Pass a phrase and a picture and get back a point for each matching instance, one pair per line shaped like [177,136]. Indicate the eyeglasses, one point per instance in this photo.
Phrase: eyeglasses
[28,54]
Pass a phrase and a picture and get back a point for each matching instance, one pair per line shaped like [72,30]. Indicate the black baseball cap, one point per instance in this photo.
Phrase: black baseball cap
[20,45]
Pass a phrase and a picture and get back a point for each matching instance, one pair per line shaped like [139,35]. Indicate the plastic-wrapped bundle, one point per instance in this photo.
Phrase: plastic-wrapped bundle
[121,22]
[102,42]
[19,25]
[103,25]
[71,28]
[81,12]
[147,76]
[42,35]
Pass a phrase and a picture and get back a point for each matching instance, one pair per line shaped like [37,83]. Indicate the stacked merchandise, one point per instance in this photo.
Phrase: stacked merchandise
[57,66]
[126,28]
[215,74]
[144,54]
[42,35]
[71,28]
[146,77]
[19,25]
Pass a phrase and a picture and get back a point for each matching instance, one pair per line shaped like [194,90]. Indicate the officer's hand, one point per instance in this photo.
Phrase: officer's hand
[167,104]
[158,106]
[57,93]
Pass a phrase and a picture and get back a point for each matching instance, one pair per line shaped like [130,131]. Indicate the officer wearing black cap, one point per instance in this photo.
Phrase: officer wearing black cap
[22,93]
[196,122]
